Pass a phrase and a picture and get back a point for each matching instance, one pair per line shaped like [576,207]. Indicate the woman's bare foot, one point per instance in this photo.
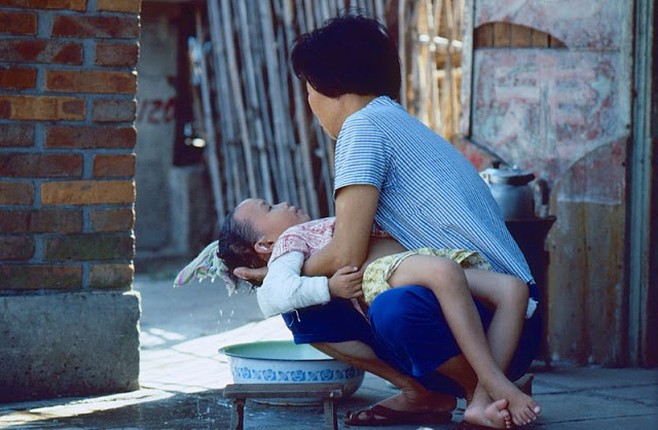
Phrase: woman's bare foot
[438,403]
[493,414]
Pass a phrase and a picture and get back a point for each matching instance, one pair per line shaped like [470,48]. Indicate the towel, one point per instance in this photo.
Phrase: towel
[208,265]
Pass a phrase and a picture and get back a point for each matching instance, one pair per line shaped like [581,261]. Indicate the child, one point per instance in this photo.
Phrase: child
[253,235]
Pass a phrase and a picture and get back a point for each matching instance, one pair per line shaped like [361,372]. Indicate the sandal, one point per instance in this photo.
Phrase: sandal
[379,415]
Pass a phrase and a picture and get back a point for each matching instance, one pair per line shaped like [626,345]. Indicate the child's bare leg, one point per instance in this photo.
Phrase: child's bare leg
[510,299]
[448,282]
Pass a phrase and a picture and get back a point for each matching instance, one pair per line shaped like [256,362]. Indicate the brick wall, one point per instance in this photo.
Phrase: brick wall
[67,166]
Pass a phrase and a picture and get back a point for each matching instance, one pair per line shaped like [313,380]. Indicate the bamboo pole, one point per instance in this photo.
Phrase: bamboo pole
[235,81]
[298,183]
[232,159]
[252,113]
[267,132]
[308,14]
[380,10]
[432,32]
[276,100]
[402,51]
[199,61]
[302,122]
[412,34]
[452,109]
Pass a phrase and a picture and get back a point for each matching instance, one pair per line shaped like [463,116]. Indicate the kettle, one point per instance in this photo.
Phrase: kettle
[509,187]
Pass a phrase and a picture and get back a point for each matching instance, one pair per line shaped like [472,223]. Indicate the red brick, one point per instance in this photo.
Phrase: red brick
[41,221]
[16,193]
[117,55]
[30,277]
[79,5]
[30,165]
[87,192]
[40,51]
[112,27]
[111,275]
[5,108]
[17,78]
[91,137]
[88,247]
[114,110]
[122,219]
[16,135]
[16,248]
[41,108]
[106,165]
[133,6]
[85,81]
[18,23]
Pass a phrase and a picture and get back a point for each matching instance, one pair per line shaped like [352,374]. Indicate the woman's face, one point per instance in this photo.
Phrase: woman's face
[269,220]
[326,109]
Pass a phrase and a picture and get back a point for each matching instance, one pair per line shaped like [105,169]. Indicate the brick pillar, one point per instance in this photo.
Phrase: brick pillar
[68,319]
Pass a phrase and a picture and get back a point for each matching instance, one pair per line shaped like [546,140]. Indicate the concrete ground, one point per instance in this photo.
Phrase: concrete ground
[182,376]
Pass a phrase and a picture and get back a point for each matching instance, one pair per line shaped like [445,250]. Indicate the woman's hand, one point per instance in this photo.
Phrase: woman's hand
[255,276]
[346,283]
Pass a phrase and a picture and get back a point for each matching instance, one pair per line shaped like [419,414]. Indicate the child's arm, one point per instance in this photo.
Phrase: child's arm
[285,290]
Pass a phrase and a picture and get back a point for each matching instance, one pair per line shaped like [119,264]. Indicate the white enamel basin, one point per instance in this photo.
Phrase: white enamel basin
[285,362]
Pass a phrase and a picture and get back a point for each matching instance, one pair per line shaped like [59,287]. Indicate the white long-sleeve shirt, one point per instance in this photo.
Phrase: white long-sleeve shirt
[284,289]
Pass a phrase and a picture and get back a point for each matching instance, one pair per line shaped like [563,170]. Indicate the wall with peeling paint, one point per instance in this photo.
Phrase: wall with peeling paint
[565,114]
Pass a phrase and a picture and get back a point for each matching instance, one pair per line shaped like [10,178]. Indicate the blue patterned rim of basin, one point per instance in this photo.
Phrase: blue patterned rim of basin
[286,362]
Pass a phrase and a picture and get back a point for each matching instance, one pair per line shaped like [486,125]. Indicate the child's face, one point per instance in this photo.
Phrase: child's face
[269,221]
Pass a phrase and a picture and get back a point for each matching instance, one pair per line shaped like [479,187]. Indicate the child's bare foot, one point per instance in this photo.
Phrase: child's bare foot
[523,408]
[494,415]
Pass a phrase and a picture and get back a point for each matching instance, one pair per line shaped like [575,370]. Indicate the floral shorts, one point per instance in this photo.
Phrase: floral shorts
[375,277]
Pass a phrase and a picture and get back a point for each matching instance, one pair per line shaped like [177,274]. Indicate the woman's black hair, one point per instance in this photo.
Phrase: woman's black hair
[350,54]
[236,244]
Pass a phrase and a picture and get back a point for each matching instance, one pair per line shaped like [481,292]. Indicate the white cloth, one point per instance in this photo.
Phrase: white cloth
[285,290]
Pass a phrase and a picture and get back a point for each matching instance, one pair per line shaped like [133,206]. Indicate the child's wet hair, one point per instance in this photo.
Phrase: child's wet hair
[236,244]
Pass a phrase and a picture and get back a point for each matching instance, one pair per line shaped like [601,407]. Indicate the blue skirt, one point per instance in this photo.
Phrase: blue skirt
[408,331]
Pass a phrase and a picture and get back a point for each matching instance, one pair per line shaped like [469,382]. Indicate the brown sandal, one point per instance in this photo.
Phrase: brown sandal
[379,415]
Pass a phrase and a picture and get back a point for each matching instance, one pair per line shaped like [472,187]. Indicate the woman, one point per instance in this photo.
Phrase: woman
[393,170]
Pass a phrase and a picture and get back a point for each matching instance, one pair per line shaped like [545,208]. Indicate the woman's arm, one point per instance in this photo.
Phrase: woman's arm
[355,211]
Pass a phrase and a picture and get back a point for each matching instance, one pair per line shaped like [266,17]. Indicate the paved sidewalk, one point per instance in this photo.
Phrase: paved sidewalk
[182,376]
[181,389]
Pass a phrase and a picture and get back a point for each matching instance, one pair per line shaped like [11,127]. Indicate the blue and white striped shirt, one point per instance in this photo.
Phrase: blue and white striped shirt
[430,195]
